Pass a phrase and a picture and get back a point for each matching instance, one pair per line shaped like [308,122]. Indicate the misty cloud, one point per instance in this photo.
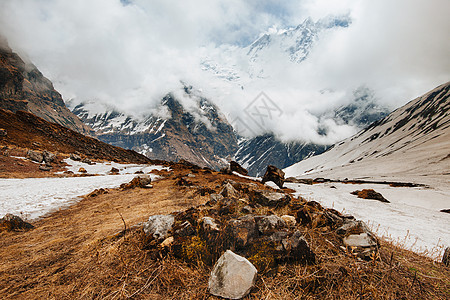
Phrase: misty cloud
[131,53]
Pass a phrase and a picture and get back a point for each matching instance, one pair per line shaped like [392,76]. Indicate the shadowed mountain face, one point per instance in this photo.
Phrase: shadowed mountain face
[413,141]
[23,87]
[202,135]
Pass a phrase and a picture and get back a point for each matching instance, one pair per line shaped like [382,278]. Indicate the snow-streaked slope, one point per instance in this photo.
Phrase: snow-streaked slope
[411,144]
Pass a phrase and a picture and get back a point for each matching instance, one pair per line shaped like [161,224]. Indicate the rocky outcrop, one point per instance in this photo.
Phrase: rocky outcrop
[232,277]
[275,175]
[23,87]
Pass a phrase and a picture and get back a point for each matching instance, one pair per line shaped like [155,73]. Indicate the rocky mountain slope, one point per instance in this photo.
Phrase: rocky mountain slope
[199,134]
[412,143]
[27,131]
[23,87]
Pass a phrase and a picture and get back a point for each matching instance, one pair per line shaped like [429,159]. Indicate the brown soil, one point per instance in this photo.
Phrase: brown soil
[84,252]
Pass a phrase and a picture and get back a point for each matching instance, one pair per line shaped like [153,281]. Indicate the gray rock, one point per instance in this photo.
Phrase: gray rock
[446,257]
[247,209]
[48,157]
[214,198]
[87,161]
[232,277]
[229,191]
[35,156]
[209,224]
[271,199]
[158,226]
[363,240]
[269,223]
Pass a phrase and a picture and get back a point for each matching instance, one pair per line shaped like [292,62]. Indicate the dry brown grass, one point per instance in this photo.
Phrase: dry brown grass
[83,253]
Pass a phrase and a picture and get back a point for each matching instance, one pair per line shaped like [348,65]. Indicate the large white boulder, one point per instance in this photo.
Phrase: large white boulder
[232,277]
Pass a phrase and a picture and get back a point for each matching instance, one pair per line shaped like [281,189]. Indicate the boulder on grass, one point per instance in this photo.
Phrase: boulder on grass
[235,167]
[158,226]
[232,277]
[35,156]
[271,199]
[275,175]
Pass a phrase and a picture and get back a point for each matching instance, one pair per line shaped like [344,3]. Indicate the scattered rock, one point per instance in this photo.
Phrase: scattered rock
[82,170]
[139,172]
[209,224]
[269,223]
[190,175]
[267,198]
[370,194]
[241,232]
[75,157]
[229,191]
[214,199]
[235,167]
[87,161]
[228,206]
[358,237]
[445,210]
[97,192]
[289,220]
[142,181]
[275,175]
[45,168]
[35,156]
[114,171]
[446,257]
[11,222]
[48,156]
[232,277]
[158,226]
[3,132]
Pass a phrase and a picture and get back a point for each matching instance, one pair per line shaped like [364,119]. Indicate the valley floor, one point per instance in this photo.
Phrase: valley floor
[91,250]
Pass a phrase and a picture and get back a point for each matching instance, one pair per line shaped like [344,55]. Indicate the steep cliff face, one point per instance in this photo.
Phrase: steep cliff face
[199,134]
[23,87]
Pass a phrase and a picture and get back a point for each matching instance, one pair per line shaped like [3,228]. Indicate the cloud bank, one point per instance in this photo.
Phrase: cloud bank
[129,54]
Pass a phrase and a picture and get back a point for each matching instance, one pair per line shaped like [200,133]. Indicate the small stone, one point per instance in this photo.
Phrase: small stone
[359,240]
[158,226]
[185,229]
[11,222]
[167,242]
[114,171]
[289,220]
[232,277]
[246,210]
[370,194]
[82,170]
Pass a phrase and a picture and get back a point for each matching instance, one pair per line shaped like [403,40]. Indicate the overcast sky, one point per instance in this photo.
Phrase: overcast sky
[131,53]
